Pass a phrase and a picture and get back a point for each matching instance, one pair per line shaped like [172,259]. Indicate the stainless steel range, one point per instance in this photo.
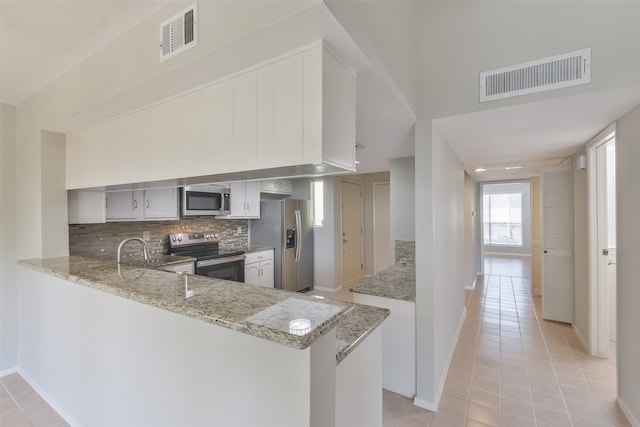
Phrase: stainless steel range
[211,261]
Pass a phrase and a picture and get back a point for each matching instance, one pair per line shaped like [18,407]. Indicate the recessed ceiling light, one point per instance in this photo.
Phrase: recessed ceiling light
[510,168]
[479,170]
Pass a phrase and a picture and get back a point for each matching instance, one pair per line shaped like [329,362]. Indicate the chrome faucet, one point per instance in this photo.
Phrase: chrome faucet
[144,246]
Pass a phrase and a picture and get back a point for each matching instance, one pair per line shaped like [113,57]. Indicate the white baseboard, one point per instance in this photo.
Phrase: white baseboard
[627,412]
[433,406]
[48,398]
[323,289]
[583,341]
[473,284]
[8,371]
[425,404]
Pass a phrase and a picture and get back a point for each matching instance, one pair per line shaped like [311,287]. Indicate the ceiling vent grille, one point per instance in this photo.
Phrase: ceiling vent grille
[555,72]
[179,33]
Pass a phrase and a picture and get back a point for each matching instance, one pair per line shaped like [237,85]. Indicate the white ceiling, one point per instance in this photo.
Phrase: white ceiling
[40,40]
[43,39]
[533,135]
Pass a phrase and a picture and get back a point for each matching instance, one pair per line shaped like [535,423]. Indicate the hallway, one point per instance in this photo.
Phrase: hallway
[510,368]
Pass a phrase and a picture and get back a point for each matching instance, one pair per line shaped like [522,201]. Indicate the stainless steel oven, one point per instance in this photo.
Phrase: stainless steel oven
[211,261]
[227,268]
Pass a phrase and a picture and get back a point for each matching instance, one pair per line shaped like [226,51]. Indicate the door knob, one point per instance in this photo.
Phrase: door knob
[605,252]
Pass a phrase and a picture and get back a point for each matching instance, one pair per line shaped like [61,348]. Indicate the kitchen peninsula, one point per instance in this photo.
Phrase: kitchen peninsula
[395,289]
[109,345]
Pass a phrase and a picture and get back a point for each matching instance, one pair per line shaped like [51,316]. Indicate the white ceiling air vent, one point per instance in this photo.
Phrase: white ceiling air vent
[179,33]
[569,69]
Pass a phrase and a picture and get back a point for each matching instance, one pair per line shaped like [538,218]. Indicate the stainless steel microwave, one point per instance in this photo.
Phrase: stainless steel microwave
[205,200]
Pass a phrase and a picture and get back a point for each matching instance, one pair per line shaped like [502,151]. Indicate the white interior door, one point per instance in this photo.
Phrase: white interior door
[557,243]
[602,241]
[382,249]
[536,238]
[352,263]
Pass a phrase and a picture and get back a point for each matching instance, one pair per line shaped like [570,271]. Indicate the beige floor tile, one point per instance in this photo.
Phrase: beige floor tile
[442,419]
[578,394]
[474,423]
[15,384]
[522,394]
[484,414]
[484,398]
[516,407]
[552,418]
[509,420]
[453,405]
[542,400]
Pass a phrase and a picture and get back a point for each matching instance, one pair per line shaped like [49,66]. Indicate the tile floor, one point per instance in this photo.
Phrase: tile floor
[21,406]
[510,368]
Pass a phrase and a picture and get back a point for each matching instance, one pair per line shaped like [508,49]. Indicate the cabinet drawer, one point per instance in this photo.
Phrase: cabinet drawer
[259,256]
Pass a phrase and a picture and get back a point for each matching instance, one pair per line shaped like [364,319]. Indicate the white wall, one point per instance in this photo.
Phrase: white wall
[512,187]
[8,290]
[628,236]
[581,248]
[440,280]
[403,188]
[472,233]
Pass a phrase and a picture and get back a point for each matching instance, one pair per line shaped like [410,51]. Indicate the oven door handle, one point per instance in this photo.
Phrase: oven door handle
[218,261]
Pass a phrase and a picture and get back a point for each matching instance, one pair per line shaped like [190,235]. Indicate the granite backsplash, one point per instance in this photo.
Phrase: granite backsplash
[101,240]
[406,252]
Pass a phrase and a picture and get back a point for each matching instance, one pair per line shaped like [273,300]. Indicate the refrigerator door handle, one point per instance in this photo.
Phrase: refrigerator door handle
[299,234]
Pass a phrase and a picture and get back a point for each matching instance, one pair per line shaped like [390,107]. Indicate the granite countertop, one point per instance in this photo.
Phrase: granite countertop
[355,326]
[258,311]
[396,282]
[159,261]
[250,248]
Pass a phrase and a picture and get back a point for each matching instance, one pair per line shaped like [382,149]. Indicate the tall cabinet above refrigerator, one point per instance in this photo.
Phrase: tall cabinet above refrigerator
[286,225]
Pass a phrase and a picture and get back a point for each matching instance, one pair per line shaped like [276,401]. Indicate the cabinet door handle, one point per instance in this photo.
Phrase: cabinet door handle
[135,204]
[147,204]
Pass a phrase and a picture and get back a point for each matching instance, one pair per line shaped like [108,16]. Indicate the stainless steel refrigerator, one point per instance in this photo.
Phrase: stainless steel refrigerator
[285,225]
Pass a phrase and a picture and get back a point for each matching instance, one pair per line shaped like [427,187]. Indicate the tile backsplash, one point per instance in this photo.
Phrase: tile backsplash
[406,252]
[101,240]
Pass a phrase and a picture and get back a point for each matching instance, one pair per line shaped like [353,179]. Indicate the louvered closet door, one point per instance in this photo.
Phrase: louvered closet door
[557,243]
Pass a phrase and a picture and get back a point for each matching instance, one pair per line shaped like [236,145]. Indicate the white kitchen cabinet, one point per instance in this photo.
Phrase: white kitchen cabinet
[258,268]
[244,121]
[192,161]
[277,186]
[124,205]
[264,115]
[295,112]
[140,205]
[161,203]
[218,127]
[162,125]
[288,112]
[126,149]
[245,199]
[86,207]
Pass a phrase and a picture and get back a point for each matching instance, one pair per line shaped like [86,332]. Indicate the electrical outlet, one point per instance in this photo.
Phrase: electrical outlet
[146,235]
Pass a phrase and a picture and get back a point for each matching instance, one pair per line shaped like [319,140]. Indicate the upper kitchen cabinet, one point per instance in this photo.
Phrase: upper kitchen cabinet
[245,200]
[291,115]
[142,205]
[162,138]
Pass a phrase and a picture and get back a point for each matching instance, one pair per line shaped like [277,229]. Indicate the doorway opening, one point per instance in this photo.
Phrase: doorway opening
[506,230]
[352,233]
[602,242]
